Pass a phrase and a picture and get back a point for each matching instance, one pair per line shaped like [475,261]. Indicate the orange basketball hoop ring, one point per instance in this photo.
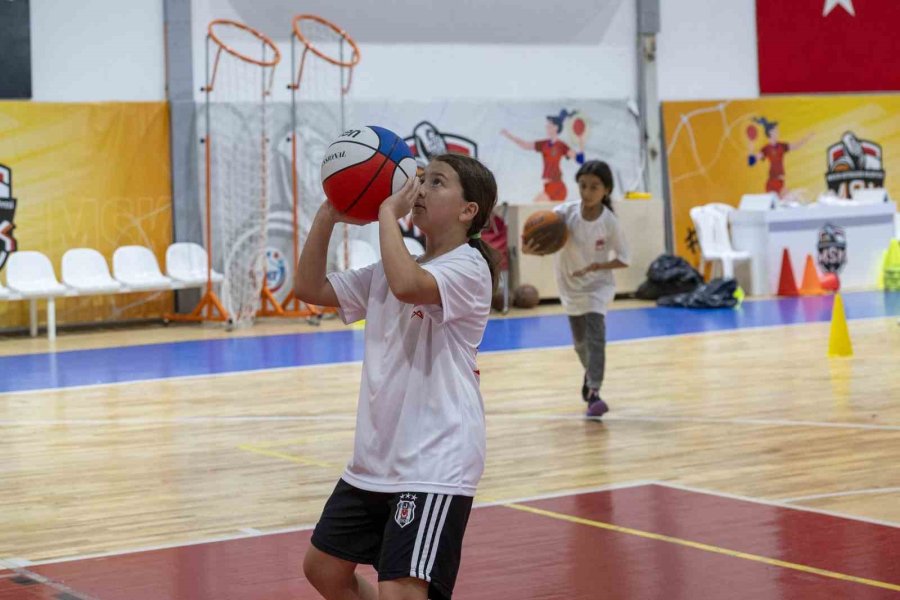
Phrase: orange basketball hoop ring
[210,307]
[301,34]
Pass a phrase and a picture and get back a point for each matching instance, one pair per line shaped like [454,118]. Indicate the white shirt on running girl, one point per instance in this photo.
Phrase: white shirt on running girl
[597,241]
[420,419]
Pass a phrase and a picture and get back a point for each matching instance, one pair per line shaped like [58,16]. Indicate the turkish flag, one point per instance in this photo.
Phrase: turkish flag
[828,45]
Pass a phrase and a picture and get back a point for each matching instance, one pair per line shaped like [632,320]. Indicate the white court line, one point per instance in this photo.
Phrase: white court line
[614,486]
[515,417]
[763,422]
[677,419]
[173,379]
[572,492]
[356,362]
[778,504]
[714,420]
[247,530]
[177,420]
[211,540]
[51,583]
[14,562]
[863,492]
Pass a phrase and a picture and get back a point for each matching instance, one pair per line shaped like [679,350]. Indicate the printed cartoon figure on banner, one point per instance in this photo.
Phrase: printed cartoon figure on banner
[773,152]
[553,150]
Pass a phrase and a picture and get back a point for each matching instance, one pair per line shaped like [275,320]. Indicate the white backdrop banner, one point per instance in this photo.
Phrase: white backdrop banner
[531,147]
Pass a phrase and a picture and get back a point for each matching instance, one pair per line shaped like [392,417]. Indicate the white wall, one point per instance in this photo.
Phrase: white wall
[97,50]
[440,71]
[707,50]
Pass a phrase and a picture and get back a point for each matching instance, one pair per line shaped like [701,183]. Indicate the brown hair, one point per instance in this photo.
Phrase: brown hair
[480,187]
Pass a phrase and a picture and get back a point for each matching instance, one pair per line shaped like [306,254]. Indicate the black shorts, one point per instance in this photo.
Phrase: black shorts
[408,534]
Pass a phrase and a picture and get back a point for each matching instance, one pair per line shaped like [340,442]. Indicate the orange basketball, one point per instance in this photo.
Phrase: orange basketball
[526,296]
[546,230]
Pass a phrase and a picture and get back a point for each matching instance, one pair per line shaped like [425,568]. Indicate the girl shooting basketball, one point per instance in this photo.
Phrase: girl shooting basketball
[403,501]
[596,245]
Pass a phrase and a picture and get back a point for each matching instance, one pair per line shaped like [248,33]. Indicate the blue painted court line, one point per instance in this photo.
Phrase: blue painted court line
[208,357]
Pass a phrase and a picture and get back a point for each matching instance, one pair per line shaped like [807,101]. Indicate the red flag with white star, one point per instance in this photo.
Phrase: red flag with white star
[828,45]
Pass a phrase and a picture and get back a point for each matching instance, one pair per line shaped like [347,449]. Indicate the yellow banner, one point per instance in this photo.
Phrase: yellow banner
[87,175]
[796,146]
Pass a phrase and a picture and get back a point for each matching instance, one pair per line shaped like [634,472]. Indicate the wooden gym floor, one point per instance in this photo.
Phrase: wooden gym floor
[738,461]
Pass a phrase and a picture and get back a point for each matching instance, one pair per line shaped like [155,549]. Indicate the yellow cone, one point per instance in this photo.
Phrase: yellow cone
[839,339]
[889,277]
[892,259]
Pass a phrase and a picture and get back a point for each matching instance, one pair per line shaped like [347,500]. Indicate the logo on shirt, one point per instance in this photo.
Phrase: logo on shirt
[7,215]
[418,313]
[406,510]
[600,244]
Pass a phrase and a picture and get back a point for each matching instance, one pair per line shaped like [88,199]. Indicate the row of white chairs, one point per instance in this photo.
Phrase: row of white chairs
[30,275]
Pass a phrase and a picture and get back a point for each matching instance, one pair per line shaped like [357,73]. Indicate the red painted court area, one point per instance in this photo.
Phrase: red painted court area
[647,541]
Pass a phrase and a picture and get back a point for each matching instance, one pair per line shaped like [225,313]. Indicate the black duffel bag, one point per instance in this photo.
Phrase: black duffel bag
[668,275]
[718,293]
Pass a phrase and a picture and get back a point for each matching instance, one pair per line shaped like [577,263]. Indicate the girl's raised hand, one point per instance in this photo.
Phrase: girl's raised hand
[399,204]
[329,211]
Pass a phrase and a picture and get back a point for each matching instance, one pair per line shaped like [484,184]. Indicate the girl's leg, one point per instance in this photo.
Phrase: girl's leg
[595,324]
[579,335]
[408,588]
[335,578]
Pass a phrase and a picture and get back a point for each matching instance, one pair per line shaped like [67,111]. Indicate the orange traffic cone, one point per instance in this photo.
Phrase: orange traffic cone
[812,285]
[787,285]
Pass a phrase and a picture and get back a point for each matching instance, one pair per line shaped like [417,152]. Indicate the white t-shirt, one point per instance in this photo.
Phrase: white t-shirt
[597,241]
[420,419]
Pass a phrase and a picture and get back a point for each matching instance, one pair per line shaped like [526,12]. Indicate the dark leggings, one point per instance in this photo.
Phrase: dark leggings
[589,333]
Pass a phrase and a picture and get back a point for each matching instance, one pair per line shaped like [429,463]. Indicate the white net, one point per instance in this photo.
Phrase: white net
[238,141]
[324,61]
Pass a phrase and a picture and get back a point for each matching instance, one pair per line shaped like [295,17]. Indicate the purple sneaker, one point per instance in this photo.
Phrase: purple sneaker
[596,406]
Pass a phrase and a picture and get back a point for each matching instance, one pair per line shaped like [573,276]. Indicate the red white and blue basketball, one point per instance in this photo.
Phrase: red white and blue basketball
[363,167]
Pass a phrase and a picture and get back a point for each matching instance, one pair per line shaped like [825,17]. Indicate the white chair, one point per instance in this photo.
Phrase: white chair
[415,247]
[186,264]
[137,269]
[362,254]
[725,209]
[86,272]
[30,274]
[4,293]
[711,225]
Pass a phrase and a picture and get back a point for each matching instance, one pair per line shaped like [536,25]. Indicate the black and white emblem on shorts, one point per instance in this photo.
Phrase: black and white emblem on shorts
[406,510]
